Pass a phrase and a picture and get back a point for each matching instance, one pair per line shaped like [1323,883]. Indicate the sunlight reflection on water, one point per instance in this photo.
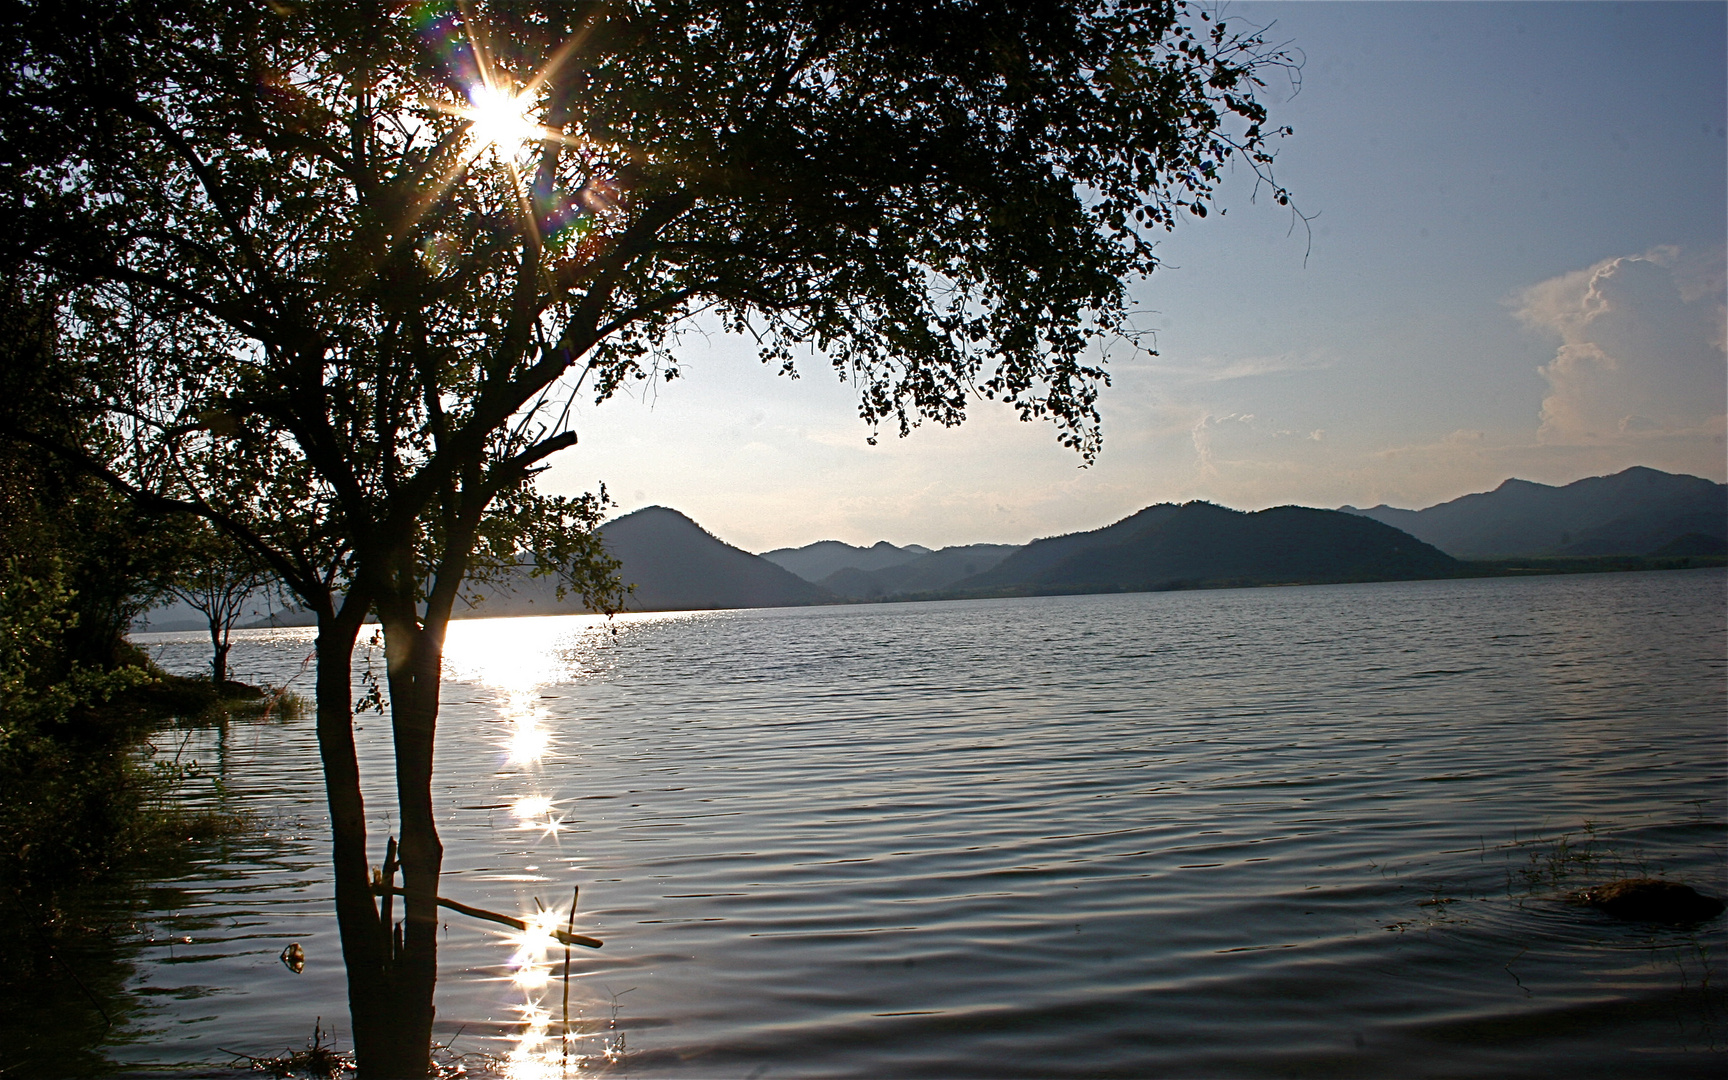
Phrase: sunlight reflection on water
[519,658]
[515,655]
[548,1043]
[1255,832]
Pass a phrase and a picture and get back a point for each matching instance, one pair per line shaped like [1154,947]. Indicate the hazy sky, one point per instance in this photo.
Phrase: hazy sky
[1517,269]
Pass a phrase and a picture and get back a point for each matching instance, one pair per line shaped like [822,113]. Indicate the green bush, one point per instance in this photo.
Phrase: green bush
[72,792]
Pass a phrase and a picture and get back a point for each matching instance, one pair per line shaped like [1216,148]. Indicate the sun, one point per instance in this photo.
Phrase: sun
[500,112]
[500,120]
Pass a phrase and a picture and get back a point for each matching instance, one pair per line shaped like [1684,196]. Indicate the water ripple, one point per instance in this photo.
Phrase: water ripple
[1321,831]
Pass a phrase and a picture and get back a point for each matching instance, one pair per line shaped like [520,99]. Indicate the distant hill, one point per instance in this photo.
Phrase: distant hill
[928,573]
[676,565]
[813,562]
[1636,512]
[1199,544]
[1035,558]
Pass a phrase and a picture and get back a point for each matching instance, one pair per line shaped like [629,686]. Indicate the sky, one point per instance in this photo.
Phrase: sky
[1514,267]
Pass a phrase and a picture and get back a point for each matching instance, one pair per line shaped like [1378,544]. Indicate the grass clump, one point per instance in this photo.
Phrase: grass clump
[319,1059]
[1553,862]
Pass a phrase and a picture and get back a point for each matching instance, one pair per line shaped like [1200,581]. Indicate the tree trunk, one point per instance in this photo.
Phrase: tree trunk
[404,1048]
[219,663]
[365,944]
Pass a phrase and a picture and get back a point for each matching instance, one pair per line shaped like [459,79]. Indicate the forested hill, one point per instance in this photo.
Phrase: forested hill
[1635,512]
[674,564]
[1199,544]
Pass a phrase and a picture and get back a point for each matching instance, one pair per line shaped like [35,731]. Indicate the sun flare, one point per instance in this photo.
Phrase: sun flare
[500,120]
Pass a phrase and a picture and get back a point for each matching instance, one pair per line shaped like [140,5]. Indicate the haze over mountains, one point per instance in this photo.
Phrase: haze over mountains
[813,562]
[884,570]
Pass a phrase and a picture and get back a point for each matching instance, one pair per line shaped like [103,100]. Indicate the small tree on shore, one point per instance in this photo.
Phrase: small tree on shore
[338,272]
[220,579]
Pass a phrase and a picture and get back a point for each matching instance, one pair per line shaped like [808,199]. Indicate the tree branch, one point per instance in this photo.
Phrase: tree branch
[206,180]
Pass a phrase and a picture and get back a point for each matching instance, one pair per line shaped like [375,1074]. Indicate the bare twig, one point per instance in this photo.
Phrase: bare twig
[503,920]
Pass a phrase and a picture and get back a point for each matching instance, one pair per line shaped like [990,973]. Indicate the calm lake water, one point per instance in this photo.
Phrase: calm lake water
[1319,831]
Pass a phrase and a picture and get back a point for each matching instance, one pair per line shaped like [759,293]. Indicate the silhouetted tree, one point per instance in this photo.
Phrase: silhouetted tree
[78,561]
[219,578]
[341,269]
[109,558]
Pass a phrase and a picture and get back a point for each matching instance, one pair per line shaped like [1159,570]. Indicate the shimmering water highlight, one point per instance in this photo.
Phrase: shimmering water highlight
[1307,831]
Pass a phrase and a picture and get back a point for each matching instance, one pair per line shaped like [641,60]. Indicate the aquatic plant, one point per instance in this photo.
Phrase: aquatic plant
[317,1060]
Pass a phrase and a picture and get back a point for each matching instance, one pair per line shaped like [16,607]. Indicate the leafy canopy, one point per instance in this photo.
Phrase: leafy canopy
[332,274]
[339,269]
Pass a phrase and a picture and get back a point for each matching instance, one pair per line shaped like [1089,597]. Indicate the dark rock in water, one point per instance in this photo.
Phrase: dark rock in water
[1653,900]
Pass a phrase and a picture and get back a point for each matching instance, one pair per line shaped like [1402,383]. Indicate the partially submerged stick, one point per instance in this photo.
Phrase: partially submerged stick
[460,908]
[569,926]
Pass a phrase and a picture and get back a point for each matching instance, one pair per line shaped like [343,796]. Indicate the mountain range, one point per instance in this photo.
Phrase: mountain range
[1636,512]
[813,562]
[1199,545]
[884,570]
[676,565]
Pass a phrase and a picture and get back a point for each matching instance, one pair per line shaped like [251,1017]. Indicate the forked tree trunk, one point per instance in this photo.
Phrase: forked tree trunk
[218,647]
[392,966]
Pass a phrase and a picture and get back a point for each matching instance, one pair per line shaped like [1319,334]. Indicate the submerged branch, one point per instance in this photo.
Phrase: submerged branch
[563,936]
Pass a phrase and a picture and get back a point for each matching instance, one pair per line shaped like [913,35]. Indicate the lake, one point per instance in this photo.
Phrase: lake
[1321,831]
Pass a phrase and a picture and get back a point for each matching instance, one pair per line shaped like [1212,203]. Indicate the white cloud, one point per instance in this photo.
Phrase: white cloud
[1640,354]
[1635,376]
[1205,433]
[1638,376]
[1215,369]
